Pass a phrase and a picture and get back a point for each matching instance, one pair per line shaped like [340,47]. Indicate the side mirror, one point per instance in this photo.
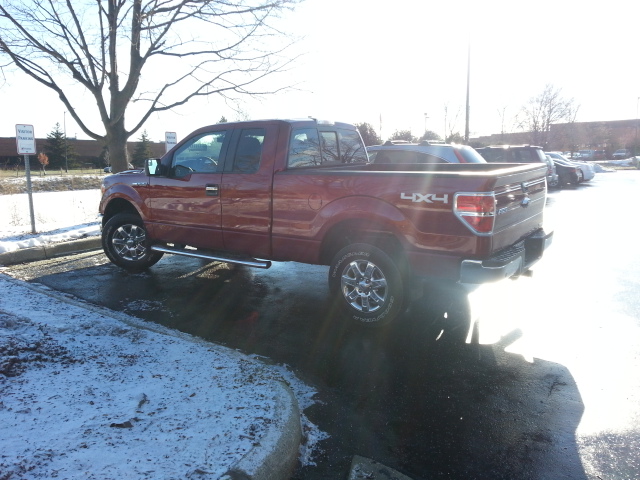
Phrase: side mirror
[152,166]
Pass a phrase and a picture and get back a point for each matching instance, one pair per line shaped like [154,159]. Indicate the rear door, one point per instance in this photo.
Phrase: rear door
[247,184]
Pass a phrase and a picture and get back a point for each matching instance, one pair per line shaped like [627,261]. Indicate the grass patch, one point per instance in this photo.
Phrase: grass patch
[50,183]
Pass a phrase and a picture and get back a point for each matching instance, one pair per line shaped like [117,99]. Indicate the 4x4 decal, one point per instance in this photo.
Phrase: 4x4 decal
[426,197]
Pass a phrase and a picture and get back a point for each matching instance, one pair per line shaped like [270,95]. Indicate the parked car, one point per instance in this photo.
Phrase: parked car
[423,152]
[586,154]
[621,154]
[107,169]
[599,155]
[569,174]
[587,170]
[520,154]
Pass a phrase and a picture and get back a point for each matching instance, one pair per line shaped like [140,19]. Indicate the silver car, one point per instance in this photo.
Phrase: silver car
[586,169]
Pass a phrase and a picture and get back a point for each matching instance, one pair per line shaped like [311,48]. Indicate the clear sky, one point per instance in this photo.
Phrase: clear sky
[391,63]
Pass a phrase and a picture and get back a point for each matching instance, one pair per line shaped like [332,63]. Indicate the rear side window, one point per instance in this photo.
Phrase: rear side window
[351,147]
[249,151]
[304,148]
[494,155]
[405,156]
[469,155]
[310,148]
[527,155]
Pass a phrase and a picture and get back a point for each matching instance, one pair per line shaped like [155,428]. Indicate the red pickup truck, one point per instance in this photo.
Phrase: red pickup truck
[304,191]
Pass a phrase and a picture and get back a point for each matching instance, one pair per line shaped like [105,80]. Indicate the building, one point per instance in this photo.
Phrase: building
[608,136]
[87,153]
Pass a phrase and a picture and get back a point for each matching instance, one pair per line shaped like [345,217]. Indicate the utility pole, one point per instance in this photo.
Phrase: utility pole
[466,122]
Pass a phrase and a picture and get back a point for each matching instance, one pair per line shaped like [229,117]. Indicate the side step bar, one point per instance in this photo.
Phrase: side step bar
[249,262]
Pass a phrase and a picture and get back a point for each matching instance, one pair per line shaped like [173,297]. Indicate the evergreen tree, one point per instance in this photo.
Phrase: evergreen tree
[58,150]
[142,151]
[368,134]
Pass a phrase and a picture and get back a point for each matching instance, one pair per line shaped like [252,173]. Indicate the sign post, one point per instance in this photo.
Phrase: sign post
[170,139]
[26,142]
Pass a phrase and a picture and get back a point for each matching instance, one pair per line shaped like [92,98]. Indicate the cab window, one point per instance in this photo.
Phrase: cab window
[310,148]
[249,151]
[201,154]
[304,148]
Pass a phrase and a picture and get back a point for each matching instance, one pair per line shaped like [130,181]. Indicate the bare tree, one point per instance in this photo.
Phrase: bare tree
[450,126]
[549,107]
[199,48]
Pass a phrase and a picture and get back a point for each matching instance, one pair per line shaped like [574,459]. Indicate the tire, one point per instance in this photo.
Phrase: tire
[554,183]
[124,240]
[368,287]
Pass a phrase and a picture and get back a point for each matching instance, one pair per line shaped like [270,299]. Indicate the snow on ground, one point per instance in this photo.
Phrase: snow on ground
[84,395]
[91,394]
[59,217]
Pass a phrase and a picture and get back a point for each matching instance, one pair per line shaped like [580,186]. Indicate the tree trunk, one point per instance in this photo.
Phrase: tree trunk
[117,138]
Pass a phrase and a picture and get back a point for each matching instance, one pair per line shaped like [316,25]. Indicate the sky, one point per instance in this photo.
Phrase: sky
[404,65]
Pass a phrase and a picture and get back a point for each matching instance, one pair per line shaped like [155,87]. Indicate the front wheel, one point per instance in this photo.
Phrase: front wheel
[369,288]
[124,240]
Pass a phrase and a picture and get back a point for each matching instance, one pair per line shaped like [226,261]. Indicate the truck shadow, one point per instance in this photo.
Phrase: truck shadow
[427,399]
[424,396]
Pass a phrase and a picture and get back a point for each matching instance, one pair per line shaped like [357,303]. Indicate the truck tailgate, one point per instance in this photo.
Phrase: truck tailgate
[520,200]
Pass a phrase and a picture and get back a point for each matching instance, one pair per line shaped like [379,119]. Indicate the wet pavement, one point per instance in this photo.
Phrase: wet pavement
[536,378]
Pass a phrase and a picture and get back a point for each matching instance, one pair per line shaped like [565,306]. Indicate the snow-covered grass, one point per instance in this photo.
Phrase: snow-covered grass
[59,217]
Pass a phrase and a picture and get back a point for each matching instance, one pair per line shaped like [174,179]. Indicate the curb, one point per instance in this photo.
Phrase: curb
[276,455]
[44,252]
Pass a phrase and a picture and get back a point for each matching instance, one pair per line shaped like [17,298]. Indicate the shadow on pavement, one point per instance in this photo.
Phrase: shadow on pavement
[417,397]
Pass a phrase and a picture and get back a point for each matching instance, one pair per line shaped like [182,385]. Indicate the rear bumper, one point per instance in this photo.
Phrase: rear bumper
[510,262]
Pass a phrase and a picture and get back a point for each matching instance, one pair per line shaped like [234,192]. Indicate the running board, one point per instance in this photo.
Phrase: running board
[249,262]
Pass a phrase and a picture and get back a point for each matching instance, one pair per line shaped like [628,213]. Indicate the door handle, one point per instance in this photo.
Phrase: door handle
[212,190]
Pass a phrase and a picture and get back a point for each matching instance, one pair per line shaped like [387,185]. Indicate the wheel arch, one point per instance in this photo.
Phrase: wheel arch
[352,231]
[116,206]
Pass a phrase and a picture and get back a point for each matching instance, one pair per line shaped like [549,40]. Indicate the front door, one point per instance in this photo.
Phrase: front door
[185,203]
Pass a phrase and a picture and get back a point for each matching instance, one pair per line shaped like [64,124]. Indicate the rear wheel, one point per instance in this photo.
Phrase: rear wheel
[368,286]
[124,240]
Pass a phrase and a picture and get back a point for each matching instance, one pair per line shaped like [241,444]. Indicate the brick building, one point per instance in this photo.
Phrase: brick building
[608,136]
[87,153]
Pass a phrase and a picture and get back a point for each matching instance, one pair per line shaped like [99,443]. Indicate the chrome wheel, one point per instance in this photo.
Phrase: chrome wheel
[364,286]
[124,240]
[128,242]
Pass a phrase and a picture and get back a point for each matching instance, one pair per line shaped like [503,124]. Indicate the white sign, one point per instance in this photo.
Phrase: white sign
[26,140]
[170,139]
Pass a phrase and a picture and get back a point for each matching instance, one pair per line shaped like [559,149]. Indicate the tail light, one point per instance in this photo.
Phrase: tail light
[477,211]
